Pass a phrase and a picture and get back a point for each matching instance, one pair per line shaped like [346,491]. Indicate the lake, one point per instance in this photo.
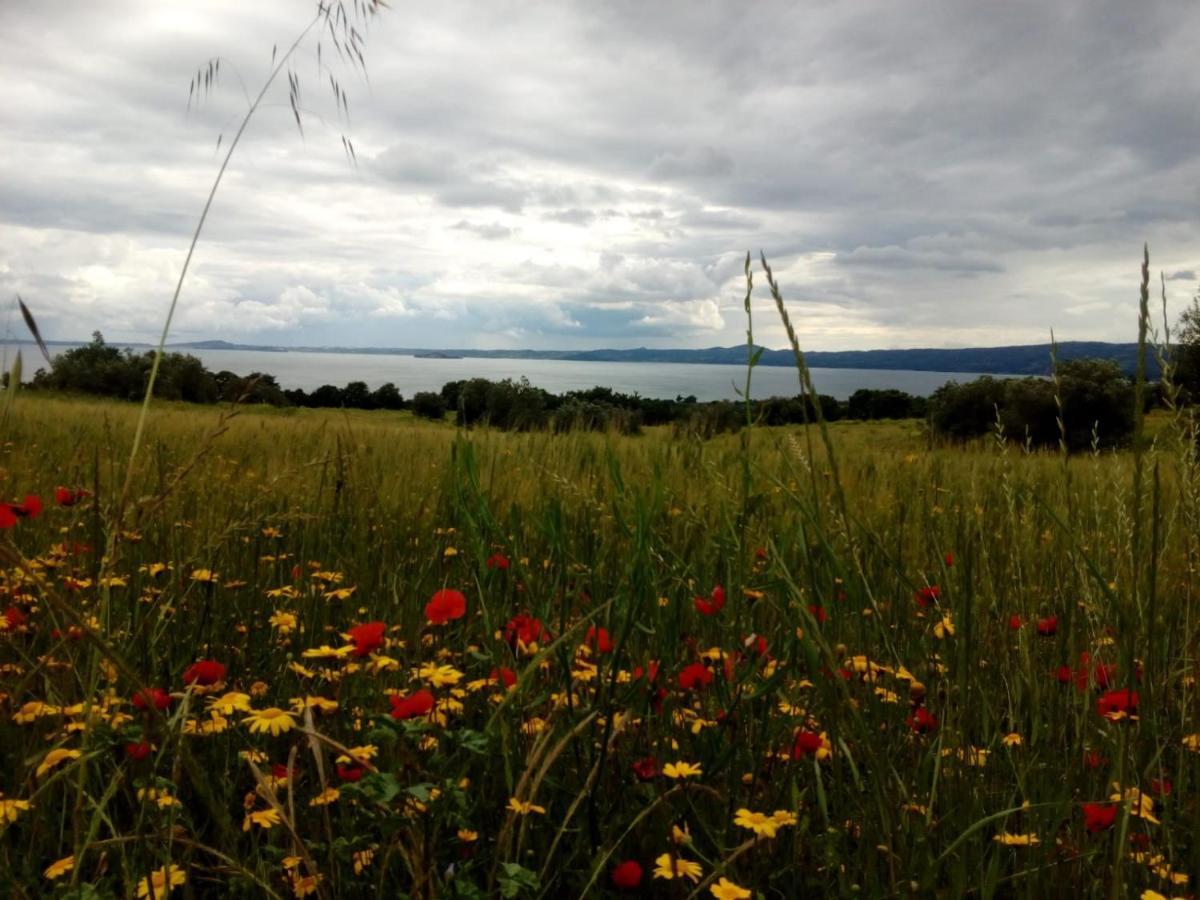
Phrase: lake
[307,370]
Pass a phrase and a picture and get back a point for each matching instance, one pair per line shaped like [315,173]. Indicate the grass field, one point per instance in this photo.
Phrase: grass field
[733,668]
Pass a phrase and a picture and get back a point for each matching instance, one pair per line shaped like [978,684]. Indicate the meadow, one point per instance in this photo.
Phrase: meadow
[329,653]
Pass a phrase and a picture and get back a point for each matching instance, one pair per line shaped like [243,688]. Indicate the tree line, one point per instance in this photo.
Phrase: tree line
[1087,404]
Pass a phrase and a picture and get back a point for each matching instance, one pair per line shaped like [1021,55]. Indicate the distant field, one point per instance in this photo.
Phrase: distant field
[900,670]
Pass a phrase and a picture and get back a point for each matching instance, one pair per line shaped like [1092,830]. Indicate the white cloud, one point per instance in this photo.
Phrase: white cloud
[995,184]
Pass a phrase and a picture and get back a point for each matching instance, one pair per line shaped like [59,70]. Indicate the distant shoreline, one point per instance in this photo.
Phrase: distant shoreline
[1025,359]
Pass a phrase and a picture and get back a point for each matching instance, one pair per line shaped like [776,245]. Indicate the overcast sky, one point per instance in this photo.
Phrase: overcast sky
[590,174]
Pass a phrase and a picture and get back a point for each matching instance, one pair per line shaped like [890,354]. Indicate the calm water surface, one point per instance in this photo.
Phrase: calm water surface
[295,369]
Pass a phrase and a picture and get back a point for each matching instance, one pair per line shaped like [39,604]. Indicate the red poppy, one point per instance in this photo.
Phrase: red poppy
[805,744]
[156,697]
[29,508]
[67,497]
[350,773]
[646,768]
[1048,626]
[650,671]
[367,637]
[627,875]
[922,721]
[501,675]
[948,559]
[280,771]
[1014,622]
[447,604]
[1161,787]
[1099,817]
[928,595]
[695,675]
[204,673]
[1100,675]
[1113,703]
[1063,674]
[598,639]
[756,643]
[138,750]
[818,612]
[1094,759]
[713,604]
[524,629]
[13,618]
[409,706]
[497,561]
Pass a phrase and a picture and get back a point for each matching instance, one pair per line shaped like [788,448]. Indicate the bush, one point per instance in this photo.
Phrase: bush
[1097,399]
[428,405]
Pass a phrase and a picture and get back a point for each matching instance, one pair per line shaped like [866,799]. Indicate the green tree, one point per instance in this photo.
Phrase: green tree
[1187,351]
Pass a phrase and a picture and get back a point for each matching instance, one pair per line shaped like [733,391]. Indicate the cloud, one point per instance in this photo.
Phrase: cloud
[489,231]
[944,175]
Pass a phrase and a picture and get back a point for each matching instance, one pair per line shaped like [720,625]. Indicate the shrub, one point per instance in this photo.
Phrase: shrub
[428,405]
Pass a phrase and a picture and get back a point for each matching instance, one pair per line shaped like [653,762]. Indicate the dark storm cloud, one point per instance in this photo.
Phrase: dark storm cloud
[941,173]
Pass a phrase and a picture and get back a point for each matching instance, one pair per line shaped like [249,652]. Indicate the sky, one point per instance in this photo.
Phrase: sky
[571,175]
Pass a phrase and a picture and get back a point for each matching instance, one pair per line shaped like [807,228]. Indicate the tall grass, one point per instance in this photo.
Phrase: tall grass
[601,529]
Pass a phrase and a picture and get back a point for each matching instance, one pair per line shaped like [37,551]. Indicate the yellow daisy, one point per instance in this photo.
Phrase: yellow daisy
[668,868]
[265,819]
[229,703]
[327,796]
[273,721]
[727,890]
[59,868]
[760,823]
[161,882]
[524,807]
[56,757]
[682,770]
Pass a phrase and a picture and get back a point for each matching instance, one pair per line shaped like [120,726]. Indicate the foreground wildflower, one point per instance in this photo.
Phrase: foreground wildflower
[67,497]
[418,703]
[367,637]
[1141,805]
[29,508]
[627,875]
[727,890]
[446,605]
[762,824]
[205,672]
[1016,840]
[59,868]
[922,721]
[1117,705]
[694,676]
[810,743]
[523,632]
[273,721]
[160,798]
[711,605]
[10,809]
[265,819]
[152,698]
[668,868]
[524,807]
[161,882]
[682,770]
[327,796]
[284,621]
[229,703]
[54,758]
[1099,817]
